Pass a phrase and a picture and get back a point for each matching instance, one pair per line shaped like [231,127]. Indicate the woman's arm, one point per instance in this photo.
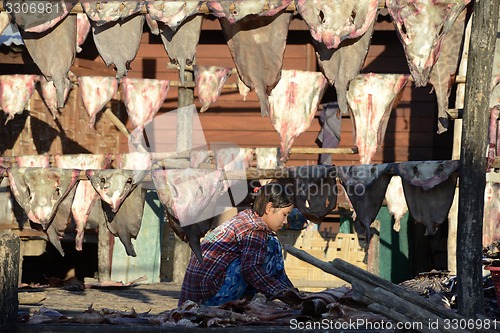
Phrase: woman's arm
[253,255]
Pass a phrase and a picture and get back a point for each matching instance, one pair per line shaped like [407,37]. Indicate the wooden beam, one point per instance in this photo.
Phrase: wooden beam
[352,274]
[121,127]
[391,313]
[369,293]
[473,162]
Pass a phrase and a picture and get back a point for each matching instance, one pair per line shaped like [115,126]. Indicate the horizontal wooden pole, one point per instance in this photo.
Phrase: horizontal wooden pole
[10,160]
[455,113]
[315,150]
[496,163]
[227,86]
[248,174]
[191,68]
[77,9]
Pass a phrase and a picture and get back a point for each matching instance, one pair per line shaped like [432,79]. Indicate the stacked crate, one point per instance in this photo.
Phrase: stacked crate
[324,246]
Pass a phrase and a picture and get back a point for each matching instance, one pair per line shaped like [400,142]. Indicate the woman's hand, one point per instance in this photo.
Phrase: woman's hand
[290,296]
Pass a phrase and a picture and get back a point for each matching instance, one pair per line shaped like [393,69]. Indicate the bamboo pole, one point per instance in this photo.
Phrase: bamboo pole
[192,84]
[473,162]
[121,127]
[191,68]
[248,174]
[453,113]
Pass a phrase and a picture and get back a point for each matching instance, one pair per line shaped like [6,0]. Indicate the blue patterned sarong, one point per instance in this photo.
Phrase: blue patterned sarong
[235,286]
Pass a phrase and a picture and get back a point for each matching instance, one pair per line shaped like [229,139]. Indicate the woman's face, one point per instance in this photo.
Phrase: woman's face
[275,218]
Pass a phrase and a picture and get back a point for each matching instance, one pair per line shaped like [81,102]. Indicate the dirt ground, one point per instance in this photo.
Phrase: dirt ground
[155,298]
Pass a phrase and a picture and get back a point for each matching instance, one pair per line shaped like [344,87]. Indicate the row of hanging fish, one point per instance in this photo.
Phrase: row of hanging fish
[255,33]
[143,98]
[51,195]
[293,102]
[193,196]
[425,188]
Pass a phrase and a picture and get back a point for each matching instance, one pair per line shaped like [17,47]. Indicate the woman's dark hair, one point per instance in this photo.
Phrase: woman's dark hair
[273,192]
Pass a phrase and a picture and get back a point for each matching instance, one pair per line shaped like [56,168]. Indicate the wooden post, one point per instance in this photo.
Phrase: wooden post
[10,249]
[457,137]
[103,251]
[473,161]
[182,251]
[373,263]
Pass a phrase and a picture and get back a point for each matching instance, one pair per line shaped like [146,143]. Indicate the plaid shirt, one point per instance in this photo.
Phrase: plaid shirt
[244,236]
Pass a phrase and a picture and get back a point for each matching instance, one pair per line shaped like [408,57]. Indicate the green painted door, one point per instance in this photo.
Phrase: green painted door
[394,249]
[147,246]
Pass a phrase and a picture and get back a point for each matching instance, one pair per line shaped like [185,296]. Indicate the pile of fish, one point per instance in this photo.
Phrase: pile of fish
[429,283]
[491,254]
[440,287]
[333,304]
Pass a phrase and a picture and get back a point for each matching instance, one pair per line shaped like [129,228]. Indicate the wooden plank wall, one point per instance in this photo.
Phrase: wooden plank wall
[40,133]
